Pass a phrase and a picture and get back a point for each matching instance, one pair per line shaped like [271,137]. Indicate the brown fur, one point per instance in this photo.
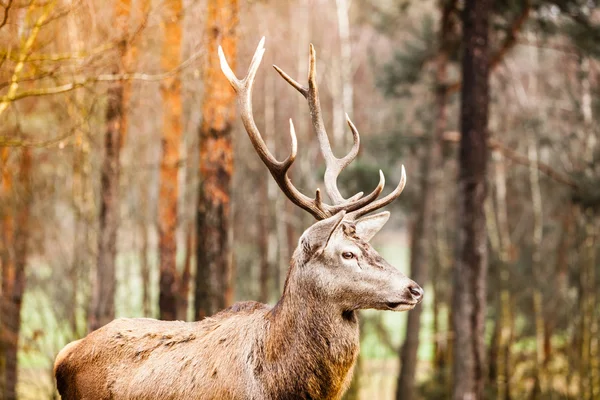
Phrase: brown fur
[302,348]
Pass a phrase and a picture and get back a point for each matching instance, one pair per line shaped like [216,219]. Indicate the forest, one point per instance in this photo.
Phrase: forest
[129,187]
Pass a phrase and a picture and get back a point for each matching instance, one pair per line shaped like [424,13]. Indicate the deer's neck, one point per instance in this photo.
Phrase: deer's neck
[314,341]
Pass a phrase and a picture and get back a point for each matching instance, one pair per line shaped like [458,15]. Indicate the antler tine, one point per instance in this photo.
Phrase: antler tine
[278,169]
[334,165]
[356,205]
[381,202]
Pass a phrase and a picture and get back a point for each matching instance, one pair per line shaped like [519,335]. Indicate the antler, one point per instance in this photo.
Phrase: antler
[355,205]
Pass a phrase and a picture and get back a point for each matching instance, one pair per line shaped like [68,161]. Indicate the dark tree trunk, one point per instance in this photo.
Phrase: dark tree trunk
[469,299]
[423,225]
[186,275]
[103,296]
[214,260]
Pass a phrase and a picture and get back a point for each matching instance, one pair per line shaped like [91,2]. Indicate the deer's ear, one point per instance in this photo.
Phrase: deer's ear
[317,236]
[367,227]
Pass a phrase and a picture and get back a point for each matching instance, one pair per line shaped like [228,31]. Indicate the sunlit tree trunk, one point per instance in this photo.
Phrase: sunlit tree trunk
[504,324]
[588,366]
[424,221]
[169,281]
[7,226]
[267,236]
[541,385]
[103,298]
[470,272]
[145,266]
[214,257]
[344,75]
[82,190]
[13,272]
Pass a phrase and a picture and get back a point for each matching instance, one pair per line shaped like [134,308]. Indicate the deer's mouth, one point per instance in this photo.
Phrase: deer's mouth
[400,305]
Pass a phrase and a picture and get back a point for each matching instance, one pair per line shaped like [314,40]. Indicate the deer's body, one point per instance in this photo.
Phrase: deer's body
[249,351]
[302,348]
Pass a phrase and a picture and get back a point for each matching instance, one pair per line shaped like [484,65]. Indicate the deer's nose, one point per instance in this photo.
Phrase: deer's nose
[416,292]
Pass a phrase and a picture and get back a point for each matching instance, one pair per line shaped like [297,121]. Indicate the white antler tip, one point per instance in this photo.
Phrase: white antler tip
[294,140]
[402,182]
[221,56]
[381,179]
[227,69]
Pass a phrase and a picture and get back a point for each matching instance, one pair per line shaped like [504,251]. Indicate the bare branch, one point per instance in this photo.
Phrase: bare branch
[515,156]
[81,82]
[6,10]
[24,54]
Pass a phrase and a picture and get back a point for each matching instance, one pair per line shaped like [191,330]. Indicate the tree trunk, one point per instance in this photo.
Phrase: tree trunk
[103,298]
[263,243]
[7,226]
[269,190]
[504,247]
[344,74]
[214,258]
[13,274]
[3,255]
[186,275]
[145,266]
[587,306]
[441,264]
[541,383]
[82,192]
[470,272]
[424,222]
[169,166]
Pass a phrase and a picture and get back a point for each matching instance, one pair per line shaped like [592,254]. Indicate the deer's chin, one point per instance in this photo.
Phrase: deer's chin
[399,305]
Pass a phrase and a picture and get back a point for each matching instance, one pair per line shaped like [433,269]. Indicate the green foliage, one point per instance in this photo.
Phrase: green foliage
[407,64]
[585,37]
[571,18]
[588,193]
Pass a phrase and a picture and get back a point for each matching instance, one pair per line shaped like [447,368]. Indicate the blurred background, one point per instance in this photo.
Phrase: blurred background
[128,186]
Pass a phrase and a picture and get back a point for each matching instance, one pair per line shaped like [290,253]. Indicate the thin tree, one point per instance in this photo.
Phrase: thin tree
[103,297]
[169,166]
[423,227]
[470,272]
[213,254]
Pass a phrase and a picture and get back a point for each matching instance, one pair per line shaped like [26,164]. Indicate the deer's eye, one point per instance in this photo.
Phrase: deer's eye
[348,255]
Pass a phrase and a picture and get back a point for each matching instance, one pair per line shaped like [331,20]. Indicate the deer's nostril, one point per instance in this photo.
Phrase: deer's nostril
[416,292]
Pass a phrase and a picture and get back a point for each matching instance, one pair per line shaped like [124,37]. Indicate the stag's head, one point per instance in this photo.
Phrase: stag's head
[334,260]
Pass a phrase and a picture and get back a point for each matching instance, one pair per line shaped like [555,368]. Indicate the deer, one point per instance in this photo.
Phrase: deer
[303,347]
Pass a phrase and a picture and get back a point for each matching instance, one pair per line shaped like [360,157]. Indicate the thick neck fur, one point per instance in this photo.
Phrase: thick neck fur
[312,344]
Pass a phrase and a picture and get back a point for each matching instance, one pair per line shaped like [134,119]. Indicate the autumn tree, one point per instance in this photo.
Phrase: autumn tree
[470,272]
[13,259]
[103,298]
[213,252]
[170,161]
